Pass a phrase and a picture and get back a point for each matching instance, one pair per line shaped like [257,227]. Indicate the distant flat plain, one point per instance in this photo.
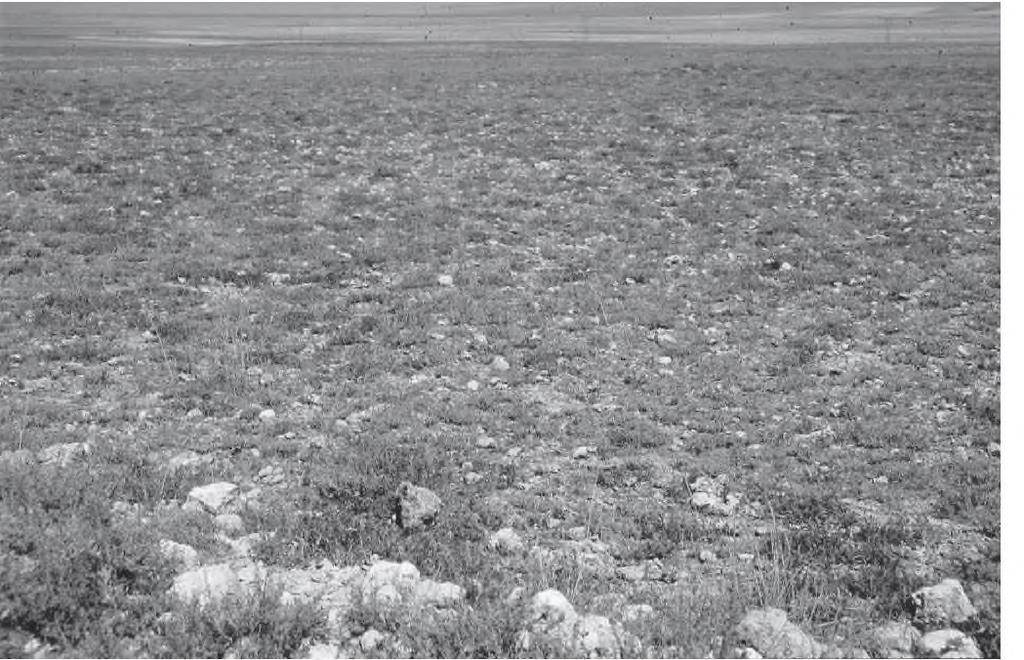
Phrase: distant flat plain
[215,24]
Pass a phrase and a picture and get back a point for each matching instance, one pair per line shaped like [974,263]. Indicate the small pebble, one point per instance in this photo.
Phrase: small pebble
[445,280]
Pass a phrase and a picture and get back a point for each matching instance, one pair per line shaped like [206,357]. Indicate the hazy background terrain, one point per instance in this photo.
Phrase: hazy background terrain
[726,23]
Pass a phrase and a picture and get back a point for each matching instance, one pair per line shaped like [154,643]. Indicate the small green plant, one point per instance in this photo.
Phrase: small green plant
[72,573]
[257,626]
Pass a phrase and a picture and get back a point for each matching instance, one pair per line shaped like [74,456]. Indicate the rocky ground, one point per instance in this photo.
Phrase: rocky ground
[442,351]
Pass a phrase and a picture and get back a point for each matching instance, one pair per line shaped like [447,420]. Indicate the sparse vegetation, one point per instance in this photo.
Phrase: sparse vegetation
[694,263]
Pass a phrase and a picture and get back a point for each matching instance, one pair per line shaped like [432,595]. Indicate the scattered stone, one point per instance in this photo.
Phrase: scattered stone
[786,266]
[486,442]
[182,554]
[942,604]
[515,596]
[894,638]
[499,363]
[389,584]
[446,280]
[122,508]
[836,651]
[212,583]
[440,595]
[242,547]
[371,640]
[417,506]
[552,618]
[270,475]
[334,590]
[947,643]
[267,416]
[17,458]
[648,570]
[577,533]
[597,637]
[386,581]
[552,613]
[664,359]
[473,385]
[709,496]
[187,458]
[194,413]
[214,497]
[229,523]
[472,477]
[770,633]
[707,556]
[637,612]
[582,452]
[323,651]
[36,648]
[64,454]
[506,541]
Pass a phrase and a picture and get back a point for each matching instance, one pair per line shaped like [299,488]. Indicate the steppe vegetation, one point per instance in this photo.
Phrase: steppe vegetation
[704,330]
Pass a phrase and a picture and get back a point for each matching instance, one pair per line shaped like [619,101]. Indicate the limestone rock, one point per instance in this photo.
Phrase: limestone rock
[270,475]
[441,595]
[770,633]
[214,498]
[942,604]
[212,583]
[323,651]
[229,523]
[390,584]
[551,611]
[553,619]
[894,638]
[180,553]
[597,637]
[710,497]
[64,454]
[506,541]
[582,452]
[417,506]
[637,612]
[947,643]
[647,570]
[18,458]
[334,589]
[371,640]
[187,459]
